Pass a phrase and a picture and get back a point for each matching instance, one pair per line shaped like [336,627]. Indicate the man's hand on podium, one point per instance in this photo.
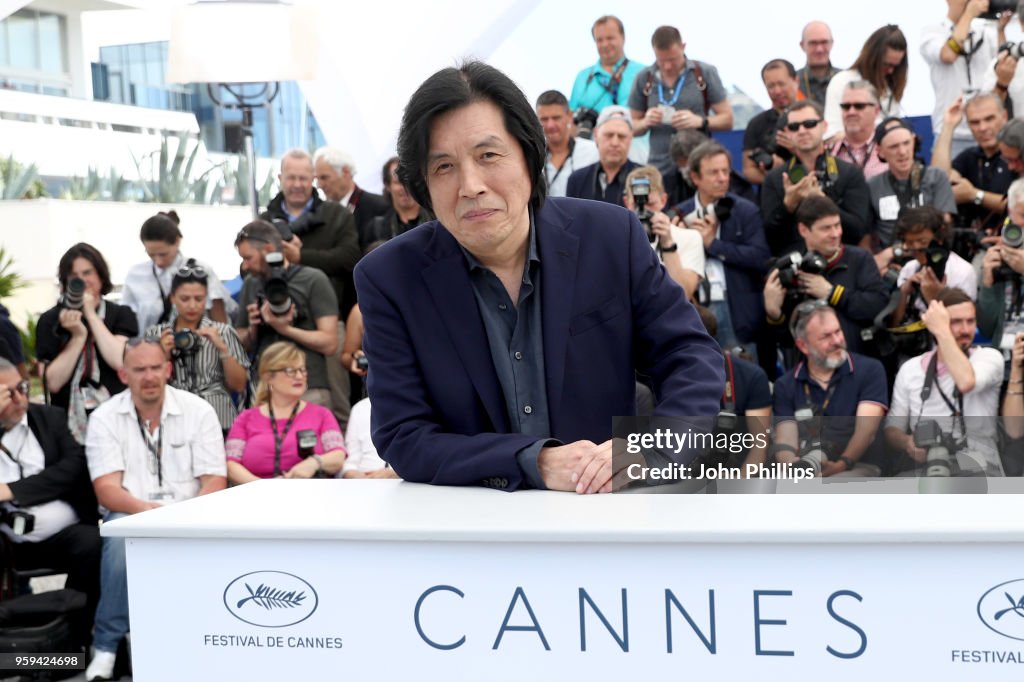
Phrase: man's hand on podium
[583,466]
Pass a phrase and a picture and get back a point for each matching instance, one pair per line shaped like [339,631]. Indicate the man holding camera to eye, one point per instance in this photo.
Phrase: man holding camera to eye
[844,276]
[765,142]
[1000,298]
[829,408]
[812,172]
[606,179]
[48,507]
[607,82]
[286,301]
[938,392]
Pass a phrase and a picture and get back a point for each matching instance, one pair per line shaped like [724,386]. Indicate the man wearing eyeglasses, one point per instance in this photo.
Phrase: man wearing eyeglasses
[816,42]
[148,446]
[860,110]
[812,172]
[43,474]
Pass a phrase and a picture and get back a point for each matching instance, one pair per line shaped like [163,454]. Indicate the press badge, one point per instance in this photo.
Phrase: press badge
[161,496]
[889,208]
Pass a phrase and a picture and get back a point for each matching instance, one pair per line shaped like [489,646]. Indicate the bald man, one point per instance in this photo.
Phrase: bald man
[816,42]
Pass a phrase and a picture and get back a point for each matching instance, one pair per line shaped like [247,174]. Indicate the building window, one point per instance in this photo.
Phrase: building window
[32,52]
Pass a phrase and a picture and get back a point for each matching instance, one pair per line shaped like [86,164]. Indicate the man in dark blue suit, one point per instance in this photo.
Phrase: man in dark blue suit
[605,180]
[735,246]
[503,337]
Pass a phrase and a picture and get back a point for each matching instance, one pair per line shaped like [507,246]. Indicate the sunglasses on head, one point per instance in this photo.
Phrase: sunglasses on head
[793,127]
[859,106]
[191,270]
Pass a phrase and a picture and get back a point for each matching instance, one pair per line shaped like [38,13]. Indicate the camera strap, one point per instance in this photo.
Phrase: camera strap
[155,448]
[279,440]
[729,393]
[612,88]
[930,377]
[15,457]
[164,298]
[567,162]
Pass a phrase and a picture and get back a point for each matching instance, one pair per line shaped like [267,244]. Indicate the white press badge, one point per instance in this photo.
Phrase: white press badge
[889,208]
[160,496]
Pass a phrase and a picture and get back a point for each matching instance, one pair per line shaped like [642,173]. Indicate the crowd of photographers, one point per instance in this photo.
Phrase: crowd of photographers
[868,303]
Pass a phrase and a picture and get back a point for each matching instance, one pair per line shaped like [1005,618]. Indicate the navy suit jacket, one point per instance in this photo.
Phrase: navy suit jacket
[583,183]
[608,310]
[743,249]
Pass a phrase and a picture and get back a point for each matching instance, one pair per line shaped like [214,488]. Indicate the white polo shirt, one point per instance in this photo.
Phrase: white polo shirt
[192,446]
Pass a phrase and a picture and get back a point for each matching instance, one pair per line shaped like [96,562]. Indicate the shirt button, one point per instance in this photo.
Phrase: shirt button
[502,306]
[518,355]
[528,410]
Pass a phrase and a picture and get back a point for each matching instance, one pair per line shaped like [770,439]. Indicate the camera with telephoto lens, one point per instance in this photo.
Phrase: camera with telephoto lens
[585,119]
[275,285]
[74,294]
[935,258]
[20,521]
[640,189]
[791,265]
[1013,237]
[997,7]
[186,341]
[764,156]
[814,456]
[1015,50]
[941,447]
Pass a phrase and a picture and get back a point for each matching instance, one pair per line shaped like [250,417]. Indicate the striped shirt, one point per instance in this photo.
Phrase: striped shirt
[202,373]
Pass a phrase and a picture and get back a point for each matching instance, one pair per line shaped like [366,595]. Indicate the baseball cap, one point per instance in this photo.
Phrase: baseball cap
[614,113]
[889,124]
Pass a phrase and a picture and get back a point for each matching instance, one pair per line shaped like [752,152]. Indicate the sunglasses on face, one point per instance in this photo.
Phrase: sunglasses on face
[859,106]
[809,125]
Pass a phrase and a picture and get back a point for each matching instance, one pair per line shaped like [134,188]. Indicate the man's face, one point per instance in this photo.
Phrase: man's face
[963,323]
[824,236]
[805,140]
[817,44]
[555,120]
[985,119]
[296,181]
[670,62]
[823,341]
[1012,156]
[334,185]
[252,257]
[781,87]
[609,41]
[145,373]
[917,243]
[477,178]
[10,381]
[859,113]
[400,198]
[613,139]
[713,179]
[898,149]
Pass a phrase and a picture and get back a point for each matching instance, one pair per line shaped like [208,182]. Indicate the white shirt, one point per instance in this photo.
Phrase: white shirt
[362,455]
[193,446]
[142,294]
[834,95]
[691,248]
[348,197]
[584,153]
[980,405]
[51,517]
[959,275]
[952,80]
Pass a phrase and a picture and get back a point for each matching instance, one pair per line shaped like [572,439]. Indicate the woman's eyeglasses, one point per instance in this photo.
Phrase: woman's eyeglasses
[292,372]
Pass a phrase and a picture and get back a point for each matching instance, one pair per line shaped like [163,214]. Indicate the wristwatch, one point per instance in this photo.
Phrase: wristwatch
[668,249]
[979,197]
[848,462]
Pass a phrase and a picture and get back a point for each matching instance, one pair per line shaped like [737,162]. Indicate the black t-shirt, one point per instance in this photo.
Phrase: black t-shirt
[990,174]
[761,131]
[51,338]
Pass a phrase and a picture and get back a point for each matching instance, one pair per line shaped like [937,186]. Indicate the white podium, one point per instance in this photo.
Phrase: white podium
[386,580]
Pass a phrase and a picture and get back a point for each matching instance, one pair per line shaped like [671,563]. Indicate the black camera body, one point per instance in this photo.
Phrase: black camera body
[74,294]
[363,362]
[640,189]
[1013,237]
[186,342]
[585,119]
[20,521]
[764,156]
[941,447]
[791,265]
[275,284]
[936,256]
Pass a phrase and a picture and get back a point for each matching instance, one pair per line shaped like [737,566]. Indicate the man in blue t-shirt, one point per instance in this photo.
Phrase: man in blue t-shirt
[610,79]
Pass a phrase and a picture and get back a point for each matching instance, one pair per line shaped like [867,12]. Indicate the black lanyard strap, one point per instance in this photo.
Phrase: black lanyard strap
[155,449]
[279,440]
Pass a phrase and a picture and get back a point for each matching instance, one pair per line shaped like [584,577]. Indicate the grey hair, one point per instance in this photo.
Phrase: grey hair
[335,158]
[864,85]
[800,328]
[296,153]
[1015,195]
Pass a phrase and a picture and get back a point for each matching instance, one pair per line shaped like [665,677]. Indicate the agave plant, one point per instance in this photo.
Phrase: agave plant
[89,188]
[241,184]
[28,343]
[173,182]
[10,281]
[18,182]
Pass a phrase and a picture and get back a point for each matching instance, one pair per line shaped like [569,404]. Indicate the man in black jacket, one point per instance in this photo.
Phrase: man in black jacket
[334,176]
[44,476]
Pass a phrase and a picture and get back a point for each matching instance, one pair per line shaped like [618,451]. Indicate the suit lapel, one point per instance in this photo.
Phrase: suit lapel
[42,434]
[448,282]
[558,260]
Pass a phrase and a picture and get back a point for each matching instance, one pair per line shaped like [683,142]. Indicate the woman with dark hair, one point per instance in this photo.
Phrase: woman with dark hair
[883,63]
[147,284]
[82,337]
[208,359]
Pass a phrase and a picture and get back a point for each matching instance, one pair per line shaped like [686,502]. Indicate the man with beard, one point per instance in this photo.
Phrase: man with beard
[833,398]
[955,386]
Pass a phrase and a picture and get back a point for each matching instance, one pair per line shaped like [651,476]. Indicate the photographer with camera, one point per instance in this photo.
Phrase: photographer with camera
[607,82]
[947,386]
[959,51]
[206,356]
[606,179]
[812,172]
[828,409]
[679,250]
[286,301]
[860,109]
[765,142]
[81,339]
[674,94]
[846,277]
[1000,298]
[733,241]
[566,152]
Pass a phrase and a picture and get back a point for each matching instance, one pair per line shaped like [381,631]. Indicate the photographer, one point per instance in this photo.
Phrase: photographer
[829,408]
[680,250]
[844,276]
[566,152]
[207,357]
[307,311]
[812,172]
[948,386]
[1002,78]
[1013,412]
[1000,298]
[605,180]
[82,338]
[610,80]
[732,238]
[765,142]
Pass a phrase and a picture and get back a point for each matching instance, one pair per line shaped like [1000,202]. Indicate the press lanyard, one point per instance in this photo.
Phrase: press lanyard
[675,93]
[15,457]
[568,161]
[279,440]
[155,449]
[828,395]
